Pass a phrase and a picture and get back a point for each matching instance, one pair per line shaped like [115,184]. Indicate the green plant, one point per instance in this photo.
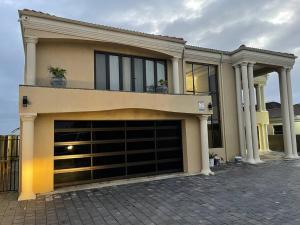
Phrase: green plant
[163,82]
[212,155]
[57,72]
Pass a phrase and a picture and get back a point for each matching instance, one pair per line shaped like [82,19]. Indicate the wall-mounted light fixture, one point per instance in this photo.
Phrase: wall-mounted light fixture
[209,105]
[25,101]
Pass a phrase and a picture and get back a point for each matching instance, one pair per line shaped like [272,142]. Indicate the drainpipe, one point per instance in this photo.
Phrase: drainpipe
[182,66]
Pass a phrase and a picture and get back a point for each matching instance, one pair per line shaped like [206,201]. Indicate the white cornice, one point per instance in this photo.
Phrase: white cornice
[262,58]
[76,31]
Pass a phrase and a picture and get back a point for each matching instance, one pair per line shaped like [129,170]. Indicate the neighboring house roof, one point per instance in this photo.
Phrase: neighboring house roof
[155,36]
[274,109]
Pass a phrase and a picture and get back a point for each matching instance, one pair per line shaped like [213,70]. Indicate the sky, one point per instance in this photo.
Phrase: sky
[219,24]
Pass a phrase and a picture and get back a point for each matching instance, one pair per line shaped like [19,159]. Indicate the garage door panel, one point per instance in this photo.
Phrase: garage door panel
[109,147]
[99,150]
[72,150]
[107,160]
[72,163]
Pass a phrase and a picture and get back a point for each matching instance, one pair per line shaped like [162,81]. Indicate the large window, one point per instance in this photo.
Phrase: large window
[201,79]
[129,73]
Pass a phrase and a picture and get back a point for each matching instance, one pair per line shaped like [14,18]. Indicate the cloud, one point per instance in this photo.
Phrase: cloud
[221,24]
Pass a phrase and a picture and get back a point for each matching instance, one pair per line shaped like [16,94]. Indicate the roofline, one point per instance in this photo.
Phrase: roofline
[121,30]
[154,36]
[242,47]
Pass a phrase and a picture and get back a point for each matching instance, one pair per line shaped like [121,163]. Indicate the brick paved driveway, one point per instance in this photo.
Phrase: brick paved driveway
[265,194]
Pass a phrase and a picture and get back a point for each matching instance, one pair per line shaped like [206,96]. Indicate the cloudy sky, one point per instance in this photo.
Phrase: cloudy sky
[220,24]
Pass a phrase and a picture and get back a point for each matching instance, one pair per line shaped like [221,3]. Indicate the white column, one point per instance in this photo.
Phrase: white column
[288,148]
[27,146]
[30,74]
[267,137]
[204,145]
[247,115]
[253,113]
[258,97]
[238,90]
[176,86]
[291,112]
[262,100]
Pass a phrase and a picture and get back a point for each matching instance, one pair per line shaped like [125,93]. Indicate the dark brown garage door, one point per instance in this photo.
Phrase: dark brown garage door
[86,151]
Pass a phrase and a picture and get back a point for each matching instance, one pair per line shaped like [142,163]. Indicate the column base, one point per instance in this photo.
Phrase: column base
[258,161]
[289,157]
[26,196]
[296,156]
[250,161]
[207,172]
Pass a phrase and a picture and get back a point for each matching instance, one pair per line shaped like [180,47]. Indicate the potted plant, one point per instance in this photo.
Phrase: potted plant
[163,86]
[212,159]
[58,78]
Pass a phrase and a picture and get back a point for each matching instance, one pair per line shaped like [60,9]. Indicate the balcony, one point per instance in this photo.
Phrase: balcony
[65,100]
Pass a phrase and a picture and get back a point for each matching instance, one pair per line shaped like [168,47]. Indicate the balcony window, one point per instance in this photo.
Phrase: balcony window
[129,73]
[203,79]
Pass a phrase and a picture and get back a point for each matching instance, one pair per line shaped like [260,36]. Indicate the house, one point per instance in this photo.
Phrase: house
[275,127]
[135,104]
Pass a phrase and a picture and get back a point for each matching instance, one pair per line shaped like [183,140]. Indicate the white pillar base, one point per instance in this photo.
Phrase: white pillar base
[207,172]
[26,196]
[250,161]
[289,156]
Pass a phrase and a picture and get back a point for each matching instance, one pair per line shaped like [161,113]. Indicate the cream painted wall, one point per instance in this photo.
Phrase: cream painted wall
[44,139]
[77,57]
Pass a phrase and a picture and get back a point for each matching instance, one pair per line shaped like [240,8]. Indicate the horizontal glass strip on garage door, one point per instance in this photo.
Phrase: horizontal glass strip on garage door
[88,151]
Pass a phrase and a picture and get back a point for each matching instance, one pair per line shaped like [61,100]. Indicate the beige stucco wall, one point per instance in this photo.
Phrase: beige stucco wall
[77,57]
[44,139]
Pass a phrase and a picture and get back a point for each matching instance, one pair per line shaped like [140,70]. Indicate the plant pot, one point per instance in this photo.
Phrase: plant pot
[58,82]
[162,89]
[217,162]
[211,162]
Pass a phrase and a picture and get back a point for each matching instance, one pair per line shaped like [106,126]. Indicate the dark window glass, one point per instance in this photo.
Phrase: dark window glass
[72,177]
[72,150]
[278,129]
[130,73]
[161,72]
[71,124]
[72,163]
[107,173]
[100,72]
[126,65]
[138,75]
[108,147]
[150,86]
[72,136]
[114,74]
[107,160]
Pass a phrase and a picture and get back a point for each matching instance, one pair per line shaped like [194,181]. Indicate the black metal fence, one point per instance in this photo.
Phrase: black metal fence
[9,163]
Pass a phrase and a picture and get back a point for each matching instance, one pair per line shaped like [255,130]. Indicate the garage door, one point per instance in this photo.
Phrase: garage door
[89,151]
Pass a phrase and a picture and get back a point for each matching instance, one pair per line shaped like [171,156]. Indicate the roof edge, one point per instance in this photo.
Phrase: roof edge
[39,14]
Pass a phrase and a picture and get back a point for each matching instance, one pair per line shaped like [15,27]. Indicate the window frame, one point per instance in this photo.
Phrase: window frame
[132,70]
[217,93]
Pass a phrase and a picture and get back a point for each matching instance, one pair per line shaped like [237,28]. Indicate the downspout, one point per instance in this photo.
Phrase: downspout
[182,70]
[222,104]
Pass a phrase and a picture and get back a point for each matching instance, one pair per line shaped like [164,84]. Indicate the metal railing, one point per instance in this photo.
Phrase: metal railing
[9,162]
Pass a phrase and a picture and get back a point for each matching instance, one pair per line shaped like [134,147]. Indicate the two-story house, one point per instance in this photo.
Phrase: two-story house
[135,104]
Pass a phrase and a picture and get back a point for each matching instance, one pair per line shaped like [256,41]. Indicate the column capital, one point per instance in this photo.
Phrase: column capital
[203,117]
[175,58]
[31,39]
[236,66]
[244,63]
[28,116]
[251,64]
